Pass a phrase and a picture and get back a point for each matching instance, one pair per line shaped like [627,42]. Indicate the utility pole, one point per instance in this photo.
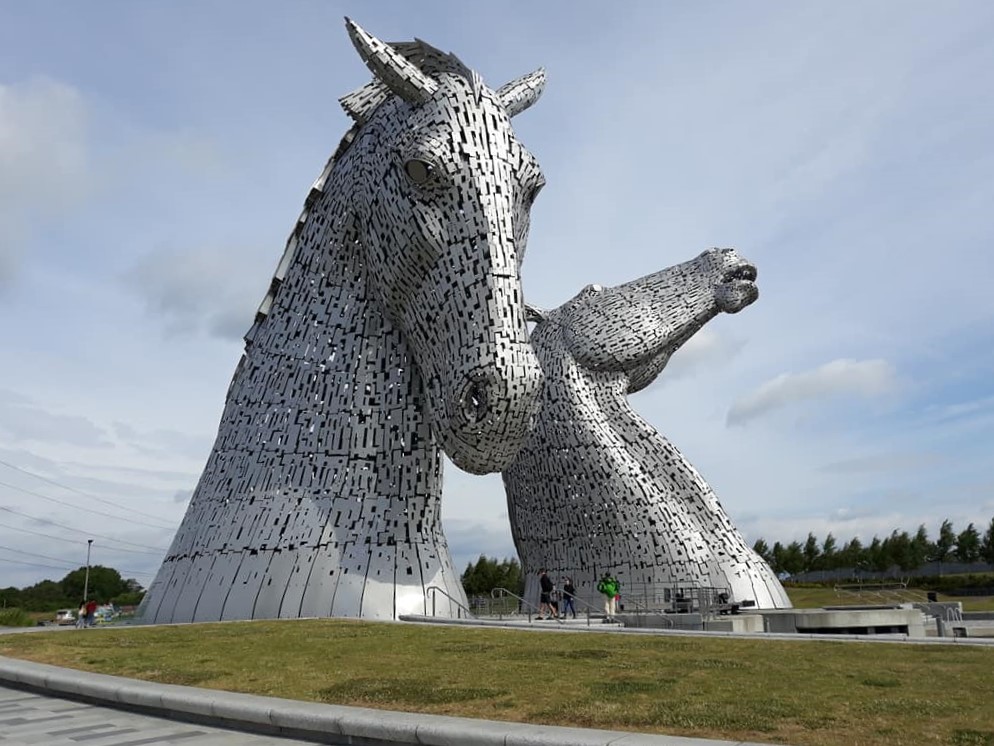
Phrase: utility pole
[86,582]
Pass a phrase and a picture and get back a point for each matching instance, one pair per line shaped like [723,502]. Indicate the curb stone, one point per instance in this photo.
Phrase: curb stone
[321,723]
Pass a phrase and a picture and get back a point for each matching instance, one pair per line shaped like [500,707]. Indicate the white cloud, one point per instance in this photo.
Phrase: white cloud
[25,421]
[43,160]
[163,441]
[886,462]
[468,539]
[705,349]
[210,291]
[966,409]
[865,378]
[861,521]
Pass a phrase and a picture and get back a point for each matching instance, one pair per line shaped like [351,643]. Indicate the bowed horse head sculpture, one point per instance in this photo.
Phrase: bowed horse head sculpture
[441,193]
[394,328]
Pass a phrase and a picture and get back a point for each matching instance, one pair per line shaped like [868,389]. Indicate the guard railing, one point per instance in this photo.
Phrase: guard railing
[434,590]
[498,593]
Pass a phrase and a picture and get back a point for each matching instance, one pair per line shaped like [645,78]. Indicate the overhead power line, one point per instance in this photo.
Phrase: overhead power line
[40,556]
[88,534]
[81,492]
[79,507]
[72,566]
[69,565]
[31,564]
[53,567]
[62,538]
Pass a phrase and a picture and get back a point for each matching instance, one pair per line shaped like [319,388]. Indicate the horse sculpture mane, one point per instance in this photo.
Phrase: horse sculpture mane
[393,329]
[596,488]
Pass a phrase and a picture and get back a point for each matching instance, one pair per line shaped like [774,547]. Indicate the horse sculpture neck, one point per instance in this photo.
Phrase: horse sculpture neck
[394,327]
[324,455]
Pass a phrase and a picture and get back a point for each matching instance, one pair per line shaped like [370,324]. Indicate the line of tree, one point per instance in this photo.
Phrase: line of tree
[900,549]
[105,586]
[487,573]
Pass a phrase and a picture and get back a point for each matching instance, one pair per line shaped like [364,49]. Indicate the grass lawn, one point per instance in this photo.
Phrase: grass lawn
[771,691]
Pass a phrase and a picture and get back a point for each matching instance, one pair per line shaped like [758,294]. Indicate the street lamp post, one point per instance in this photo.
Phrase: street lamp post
[86,581]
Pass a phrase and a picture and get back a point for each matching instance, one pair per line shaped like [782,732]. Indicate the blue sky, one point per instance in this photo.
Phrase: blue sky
[153,158]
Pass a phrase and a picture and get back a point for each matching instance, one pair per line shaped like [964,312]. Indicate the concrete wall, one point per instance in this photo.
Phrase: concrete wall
[881,620]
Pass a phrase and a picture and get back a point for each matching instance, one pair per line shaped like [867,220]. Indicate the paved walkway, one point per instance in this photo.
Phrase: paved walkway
[27,718]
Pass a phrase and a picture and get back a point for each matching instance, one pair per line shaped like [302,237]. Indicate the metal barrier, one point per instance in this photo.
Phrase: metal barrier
[890,593]
[638,618]
[497,593]
[434,590]
[587,606]
[677,598]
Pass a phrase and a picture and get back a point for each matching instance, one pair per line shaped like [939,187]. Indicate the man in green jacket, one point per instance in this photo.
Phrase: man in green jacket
[609,586]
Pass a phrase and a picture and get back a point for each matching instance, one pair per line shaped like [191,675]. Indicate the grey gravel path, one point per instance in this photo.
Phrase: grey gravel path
[30,719]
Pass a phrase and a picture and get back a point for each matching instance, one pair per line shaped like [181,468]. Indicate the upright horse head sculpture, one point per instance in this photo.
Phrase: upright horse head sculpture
[441,192]
[394,329]
[596,488]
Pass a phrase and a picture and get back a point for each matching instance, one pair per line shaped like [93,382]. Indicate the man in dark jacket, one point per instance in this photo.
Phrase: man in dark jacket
[545,595]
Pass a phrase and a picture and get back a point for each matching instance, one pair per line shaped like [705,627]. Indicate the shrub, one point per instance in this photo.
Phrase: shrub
[15,618]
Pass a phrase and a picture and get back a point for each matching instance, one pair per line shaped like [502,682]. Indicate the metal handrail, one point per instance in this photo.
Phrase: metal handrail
[436,589]
[528,604]
[588,606]
[638,619]
[651,597]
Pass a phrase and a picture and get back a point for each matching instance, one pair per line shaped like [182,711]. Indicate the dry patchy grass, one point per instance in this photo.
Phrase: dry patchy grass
[803,692]
[815,597]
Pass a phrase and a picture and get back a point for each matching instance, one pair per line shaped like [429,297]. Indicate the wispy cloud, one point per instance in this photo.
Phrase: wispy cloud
[468,539]
[885,462]
[163,441]
[708,347]
[946,412]
[43,160]
[209,291]
[865,378]
[26,421]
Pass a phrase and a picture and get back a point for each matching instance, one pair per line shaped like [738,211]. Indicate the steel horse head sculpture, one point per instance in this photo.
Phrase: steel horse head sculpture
[394,330]
[596,488]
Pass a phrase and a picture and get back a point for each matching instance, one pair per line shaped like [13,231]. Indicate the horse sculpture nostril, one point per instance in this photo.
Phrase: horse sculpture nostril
[474,402]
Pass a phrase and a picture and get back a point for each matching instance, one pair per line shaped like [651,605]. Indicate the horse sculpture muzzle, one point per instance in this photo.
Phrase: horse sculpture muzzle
[736,287]
[483,415]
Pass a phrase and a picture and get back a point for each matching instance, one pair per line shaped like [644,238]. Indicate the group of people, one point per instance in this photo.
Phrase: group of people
[87,614]
[550,597]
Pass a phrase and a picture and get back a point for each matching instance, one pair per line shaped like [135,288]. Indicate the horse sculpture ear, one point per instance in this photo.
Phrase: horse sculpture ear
[533,313]
[390,67]
[522,92]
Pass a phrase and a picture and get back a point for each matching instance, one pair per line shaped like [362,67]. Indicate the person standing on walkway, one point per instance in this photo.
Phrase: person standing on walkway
[545,594]
[609,587]
[91,613]
[569,593]
[81,616]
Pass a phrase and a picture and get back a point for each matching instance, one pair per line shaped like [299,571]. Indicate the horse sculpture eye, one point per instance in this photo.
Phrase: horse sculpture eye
[418,171]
